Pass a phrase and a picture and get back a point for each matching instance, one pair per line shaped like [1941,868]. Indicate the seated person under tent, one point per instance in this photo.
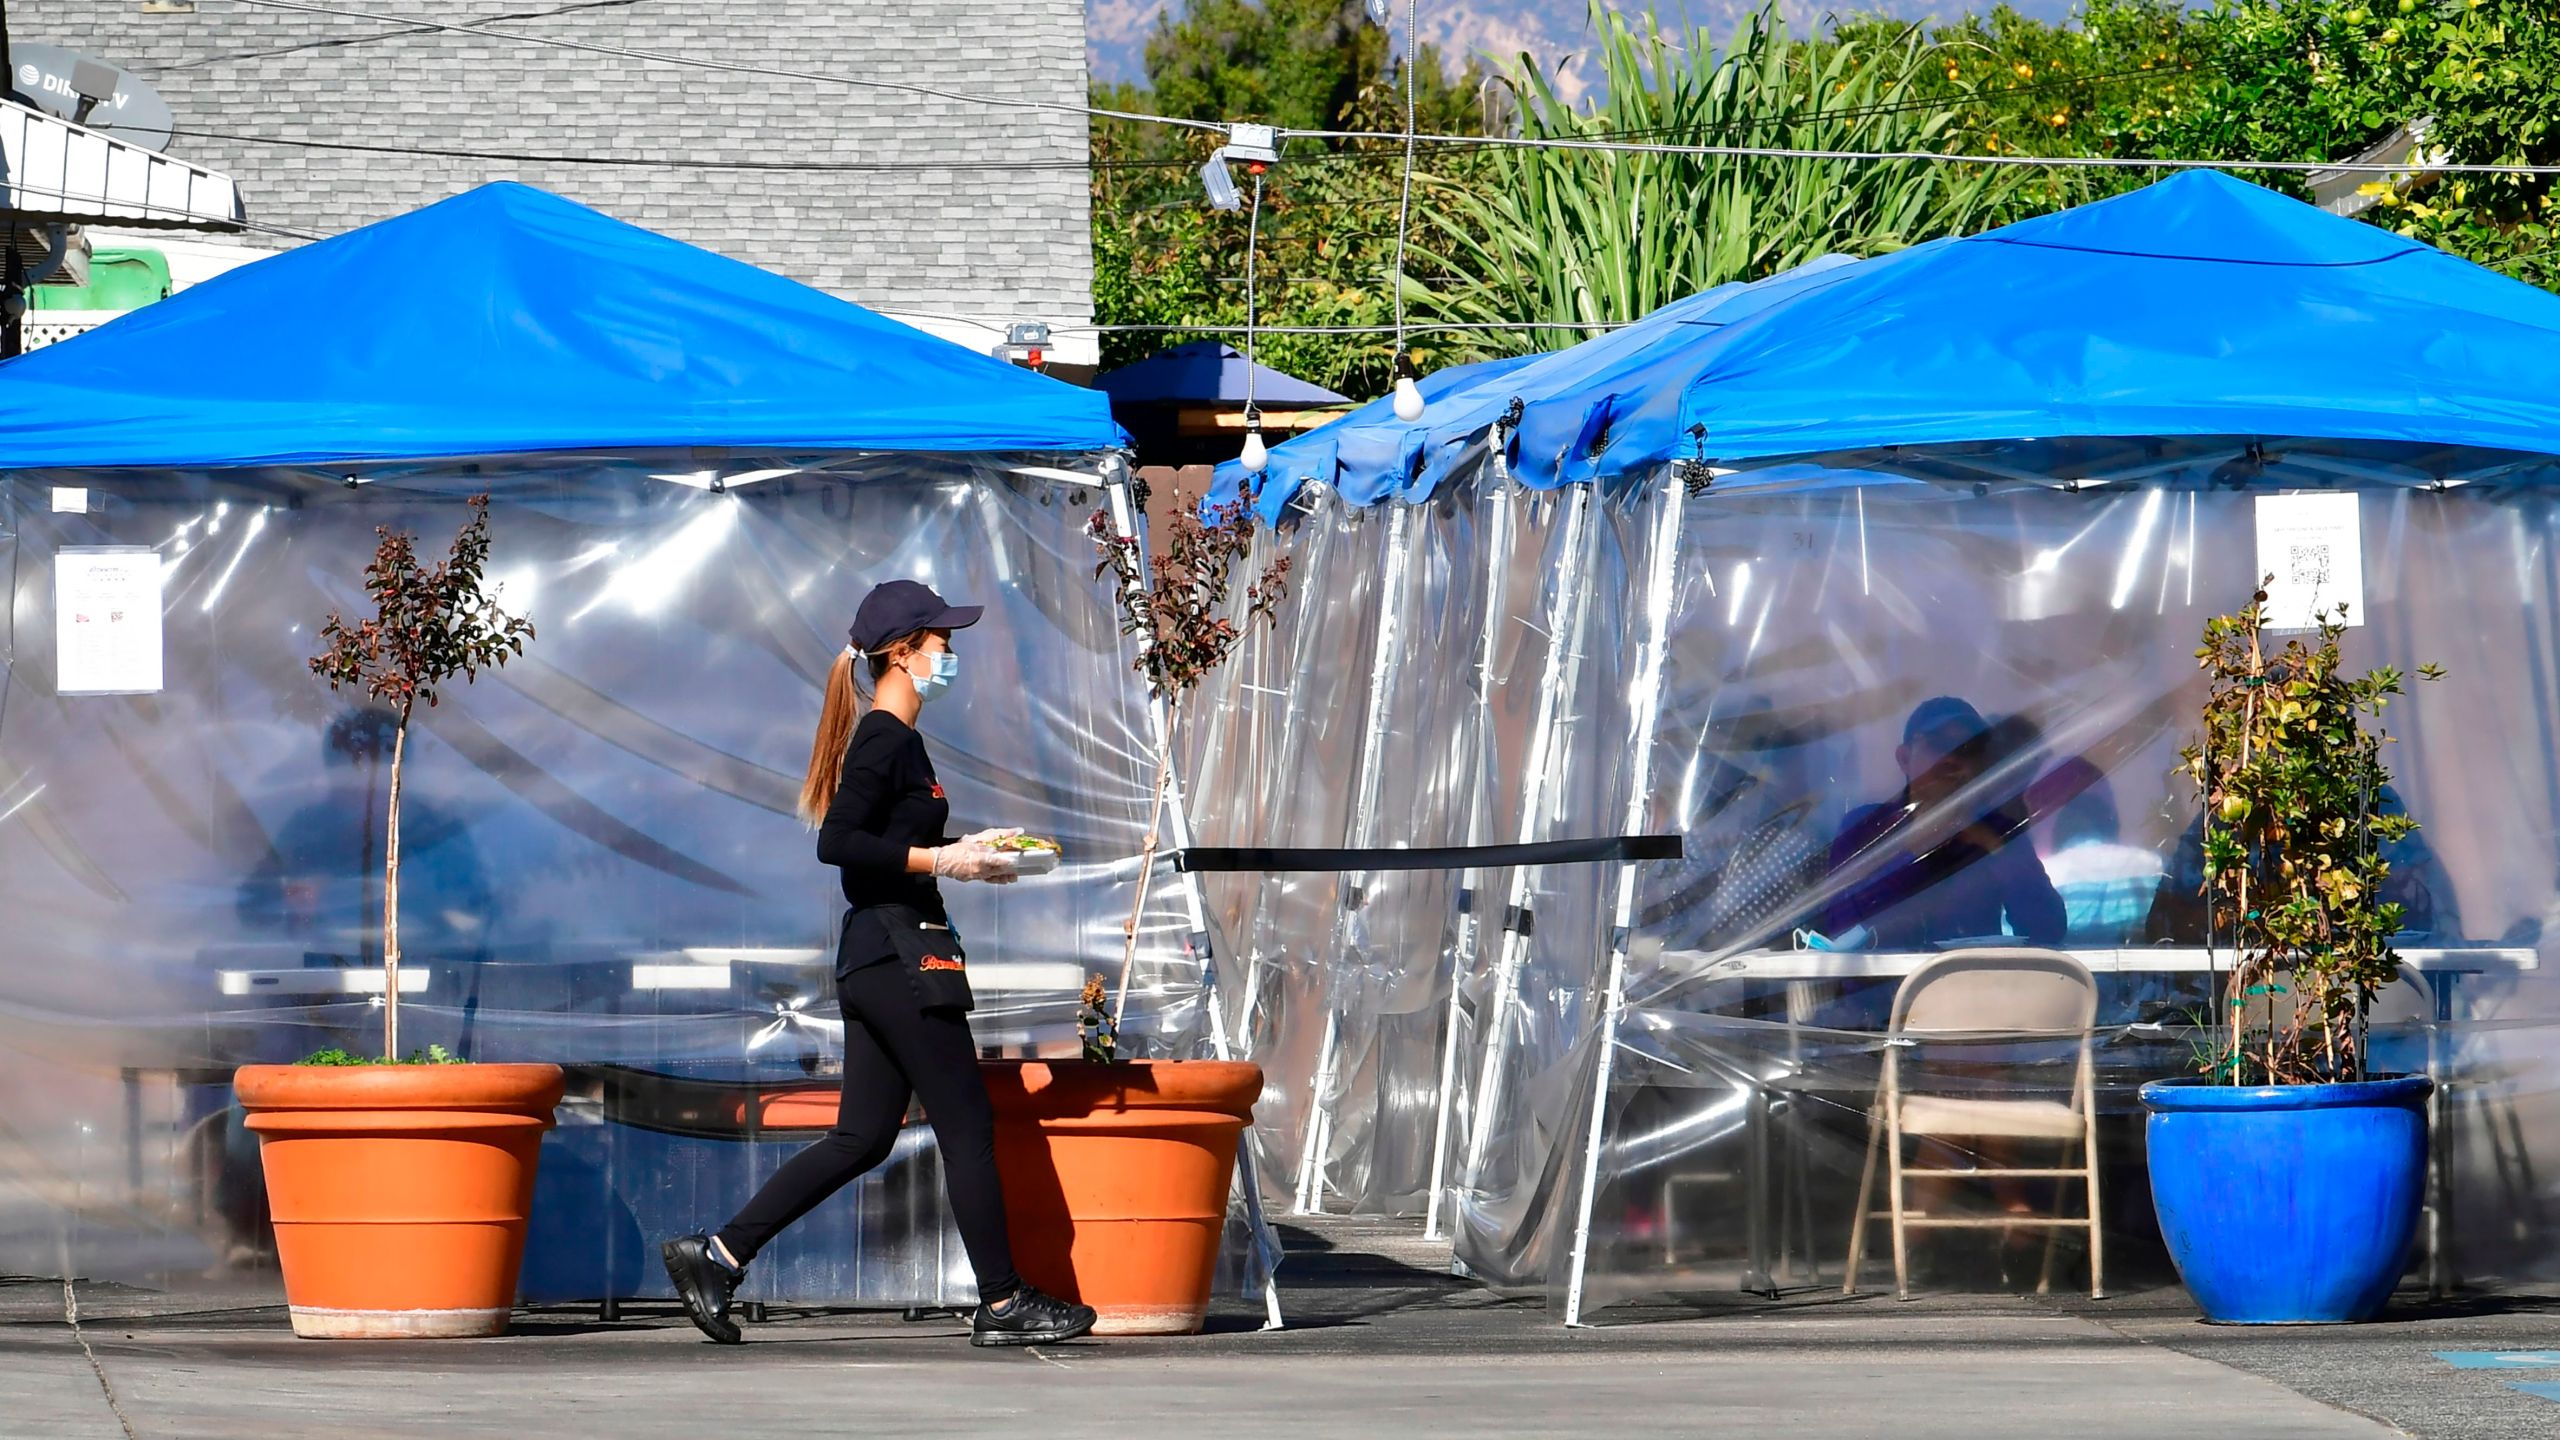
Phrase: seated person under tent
[2418,884]
[2107,886]
[1925,876]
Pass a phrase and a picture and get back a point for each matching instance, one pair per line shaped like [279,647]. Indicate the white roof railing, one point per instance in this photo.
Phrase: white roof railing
[52,170]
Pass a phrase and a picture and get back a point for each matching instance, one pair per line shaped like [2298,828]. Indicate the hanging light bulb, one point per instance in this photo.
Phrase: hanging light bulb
[1408,394]
[1256,454]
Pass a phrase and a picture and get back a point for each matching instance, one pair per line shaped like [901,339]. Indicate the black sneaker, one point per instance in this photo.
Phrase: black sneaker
[1029,1318]
[705,1285]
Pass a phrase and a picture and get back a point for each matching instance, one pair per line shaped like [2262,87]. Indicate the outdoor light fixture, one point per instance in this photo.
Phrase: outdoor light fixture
[1408,394]
[1256,145]
[1026,342]
[1254,142]
[1256,454]
[1220,185]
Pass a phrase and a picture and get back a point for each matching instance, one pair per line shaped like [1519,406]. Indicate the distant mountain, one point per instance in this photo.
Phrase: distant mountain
[1116,30]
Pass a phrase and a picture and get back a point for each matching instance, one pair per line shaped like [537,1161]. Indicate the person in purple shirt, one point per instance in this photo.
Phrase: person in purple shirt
[1923,878]
[1948,860]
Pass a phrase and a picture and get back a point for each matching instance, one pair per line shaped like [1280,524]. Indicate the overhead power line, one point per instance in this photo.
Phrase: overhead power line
[1781,152]
[733,67]
[669,162]
[1618,146]
[1590,325]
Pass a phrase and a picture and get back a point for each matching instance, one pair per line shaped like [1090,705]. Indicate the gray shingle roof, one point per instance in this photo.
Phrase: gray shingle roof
[915,235]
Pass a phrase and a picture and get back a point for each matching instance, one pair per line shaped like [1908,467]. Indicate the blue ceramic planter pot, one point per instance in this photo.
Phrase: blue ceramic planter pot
[2289,1204]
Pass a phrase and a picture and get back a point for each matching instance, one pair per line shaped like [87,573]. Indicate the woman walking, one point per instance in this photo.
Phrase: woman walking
[900,978]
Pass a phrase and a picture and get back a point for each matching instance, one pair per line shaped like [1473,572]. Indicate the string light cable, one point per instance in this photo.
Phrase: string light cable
[1408,394]
[1409,136]
[1943,157]
[1256,454]
[1084,163]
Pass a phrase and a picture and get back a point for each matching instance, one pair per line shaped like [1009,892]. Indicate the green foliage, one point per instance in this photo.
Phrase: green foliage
[1605,236]
[2021,86]
[333,1056]
[2294,80]
[2285,80]
[1162,258]
[1327,237]
[1299,64]
[2290,774]
[1584,237]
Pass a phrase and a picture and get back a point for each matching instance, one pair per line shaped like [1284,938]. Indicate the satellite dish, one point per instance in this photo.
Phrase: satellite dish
[120,102]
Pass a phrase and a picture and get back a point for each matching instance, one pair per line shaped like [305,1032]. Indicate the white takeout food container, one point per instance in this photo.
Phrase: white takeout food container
[1034,862]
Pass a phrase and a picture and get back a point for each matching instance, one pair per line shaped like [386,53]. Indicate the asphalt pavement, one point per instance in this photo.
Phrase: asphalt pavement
[1380,1342]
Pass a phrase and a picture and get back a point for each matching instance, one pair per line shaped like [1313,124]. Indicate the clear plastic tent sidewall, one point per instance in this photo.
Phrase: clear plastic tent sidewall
[603,867]
[1739,665]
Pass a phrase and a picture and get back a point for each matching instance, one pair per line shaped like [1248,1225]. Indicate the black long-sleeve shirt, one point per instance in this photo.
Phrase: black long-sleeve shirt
[886,804]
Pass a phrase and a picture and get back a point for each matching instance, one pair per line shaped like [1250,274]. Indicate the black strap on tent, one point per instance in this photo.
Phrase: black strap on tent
[1597,850]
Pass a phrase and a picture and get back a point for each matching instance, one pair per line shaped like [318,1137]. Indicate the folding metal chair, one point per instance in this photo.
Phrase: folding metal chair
[1985,994]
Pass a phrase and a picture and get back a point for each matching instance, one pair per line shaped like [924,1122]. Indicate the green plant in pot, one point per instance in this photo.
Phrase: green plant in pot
[2287,1176]
[400,1189]
[1117,1170]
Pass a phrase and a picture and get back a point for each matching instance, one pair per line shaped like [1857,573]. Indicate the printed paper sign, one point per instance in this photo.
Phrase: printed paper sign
[2314,547]
[70,500]
[106,619]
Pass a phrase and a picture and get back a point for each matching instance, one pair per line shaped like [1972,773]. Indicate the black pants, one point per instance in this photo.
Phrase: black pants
[893,1047]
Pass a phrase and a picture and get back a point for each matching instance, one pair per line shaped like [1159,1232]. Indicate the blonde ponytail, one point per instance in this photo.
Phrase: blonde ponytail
[836,719]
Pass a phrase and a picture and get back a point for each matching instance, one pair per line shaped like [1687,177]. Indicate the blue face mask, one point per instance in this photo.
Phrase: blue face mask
[946,668]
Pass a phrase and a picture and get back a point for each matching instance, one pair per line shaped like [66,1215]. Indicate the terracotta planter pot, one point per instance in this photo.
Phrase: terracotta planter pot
[399,1191]
[1116,1180]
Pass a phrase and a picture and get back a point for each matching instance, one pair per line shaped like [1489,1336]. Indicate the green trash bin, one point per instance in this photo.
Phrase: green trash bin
[118,280]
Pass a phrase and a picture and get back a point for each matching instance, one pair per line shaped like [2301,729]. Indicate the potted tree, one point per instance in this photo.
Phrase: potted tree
[400,1187]
[2287,1176]
[1117,1171]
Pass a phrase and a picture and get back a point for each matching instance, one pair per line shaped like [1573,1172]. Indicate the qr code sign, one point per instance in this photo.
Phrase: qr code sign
[2307,565]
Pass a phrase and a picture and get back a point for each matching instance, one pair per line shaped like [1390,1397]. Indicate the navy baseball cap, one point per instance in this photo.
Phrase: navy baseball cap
[899,608]
[1945,718]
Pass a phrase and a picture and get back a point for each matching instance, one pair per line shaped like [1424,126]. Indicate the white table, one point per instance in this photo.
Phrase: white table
[2439,969]
[1802,965]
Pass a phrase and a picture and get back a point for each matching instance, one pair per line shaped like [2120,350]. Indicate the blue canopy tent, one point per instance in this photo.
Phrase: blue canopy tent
[1363,449]
[1208,371]
[509,321]
[2021,468]
[695,471]
[1371,455]
[2199,306]
[1186,405]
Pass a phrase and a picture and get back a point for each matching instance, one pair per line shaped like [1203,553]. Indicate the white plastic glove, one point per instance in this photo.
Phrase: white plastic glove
[989,837]
[971,860]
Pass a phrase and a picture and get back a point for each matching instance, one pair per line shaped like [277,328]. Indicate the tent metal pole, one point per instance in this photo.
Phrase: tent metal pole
[1648,707]
[1564,643]
[1384,666]
[1124,519]
[1469,928]
[1290,744]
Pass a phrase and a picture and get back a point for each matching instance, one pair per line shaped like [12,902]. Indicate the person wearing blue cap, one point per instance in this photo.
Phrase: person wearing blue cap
[1952,866]
[901,977]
